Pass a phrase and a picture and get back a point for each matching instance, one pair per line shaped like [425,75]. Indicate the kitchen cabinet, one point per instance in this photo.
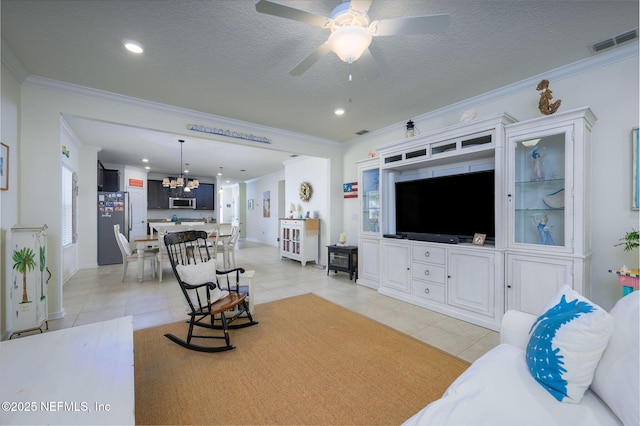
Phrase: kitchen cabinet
[205,197]
[157,197]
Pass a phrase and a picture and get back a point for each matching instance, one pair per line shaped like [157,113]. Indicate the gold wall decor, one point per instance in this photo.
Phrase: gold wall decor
[545,105]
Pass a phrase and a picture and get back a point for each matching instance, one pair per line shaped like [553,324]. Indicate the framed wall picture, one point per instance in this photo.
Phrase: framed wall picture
[4,167]
[266,204]
[478,239]
[635,138]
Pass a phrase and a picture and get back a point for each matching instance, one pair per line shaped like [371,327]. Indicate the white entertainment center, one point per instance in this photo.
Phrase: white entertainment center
[541,206]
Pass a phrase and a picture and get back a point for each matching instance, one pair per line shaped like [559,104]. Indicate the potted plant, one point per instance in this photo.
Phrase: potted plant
[629,241]
[628,278]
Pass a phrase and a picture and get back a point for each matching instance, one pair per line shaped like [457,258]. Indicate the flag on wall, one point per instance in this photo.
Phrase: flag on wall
[350,190]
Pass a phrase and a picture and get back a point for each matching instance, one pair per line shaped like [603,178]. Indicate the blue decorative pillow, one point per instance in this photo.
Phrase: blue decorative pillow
[566,343]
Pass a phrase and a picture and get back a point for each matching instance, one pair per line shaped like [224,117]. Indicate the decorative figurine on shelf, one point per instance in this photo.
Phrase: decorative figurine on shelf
[545,105]
[537,174]
[543,229]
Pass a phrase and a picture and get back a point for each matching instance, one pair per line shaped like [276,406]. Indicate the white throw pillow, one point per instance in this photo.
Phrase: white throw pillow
[566,343]
[199,273]
[618,374]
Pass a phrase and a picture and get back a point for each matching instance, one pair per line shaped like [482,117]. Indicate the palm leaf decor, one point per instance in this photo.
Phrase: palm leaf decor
[24,261]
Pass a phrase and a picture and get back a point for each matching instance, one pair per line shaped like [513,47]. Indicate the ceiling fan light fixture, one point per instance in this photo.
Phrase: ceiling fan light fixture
[350,42]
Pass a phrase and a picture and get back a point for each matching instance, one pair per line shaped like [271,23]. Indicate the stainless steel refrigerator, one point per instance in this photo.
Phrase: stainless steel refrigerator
[113,209]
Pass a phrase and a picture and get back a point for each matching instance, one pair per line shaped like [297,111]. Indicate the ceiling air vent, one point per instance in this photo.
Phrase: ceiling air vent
[629,35]
[612,42]
[362,132]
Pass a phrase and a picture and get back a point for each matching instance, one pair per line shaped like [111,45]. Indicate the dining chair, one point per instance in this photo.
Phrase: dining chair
[130,255]
[229,248]
[162,257]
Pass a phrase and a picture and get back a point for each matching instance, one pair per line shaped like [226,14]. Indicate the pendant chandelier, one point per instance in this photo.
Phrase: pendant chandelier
[181,183]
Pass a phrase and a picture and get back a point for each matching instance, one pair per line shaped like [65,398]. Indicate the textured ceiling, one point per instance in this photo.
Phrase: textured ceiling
[224,58]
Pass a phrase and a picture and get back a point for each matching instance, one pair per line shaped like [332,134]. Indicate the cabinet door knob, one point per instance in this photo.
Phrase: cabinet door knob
[426,290]
[426,272]
[427,254]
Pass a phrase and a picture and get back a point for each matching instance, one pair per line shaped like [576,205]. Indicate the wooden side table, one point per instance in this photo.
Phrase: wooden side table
[343,258]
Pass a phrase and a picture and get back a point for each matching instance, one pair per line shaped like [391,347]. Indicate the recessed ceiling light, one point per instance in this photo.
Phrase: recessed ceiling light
[145,160]
[339,111]
[133,46]
[147,167]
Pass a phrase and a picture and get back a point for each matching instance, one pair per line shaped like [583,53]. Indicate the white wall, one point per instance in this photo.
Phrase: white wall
[262,229]
[9,118]
[611,91]
[315,171]
[70,142]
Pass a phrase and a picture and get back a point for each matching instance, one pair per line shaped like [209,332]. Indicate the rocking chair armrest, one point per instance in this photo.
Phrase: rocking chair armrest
[242,271]
[211,285]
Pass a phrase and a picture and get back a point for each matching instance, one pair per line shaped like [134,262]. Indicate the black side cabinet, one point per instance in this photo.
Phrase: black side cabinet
[343,258]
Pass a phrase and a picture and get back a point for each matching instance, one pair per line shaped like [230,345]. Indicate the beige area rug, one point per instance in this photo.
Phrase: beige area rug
[309,362]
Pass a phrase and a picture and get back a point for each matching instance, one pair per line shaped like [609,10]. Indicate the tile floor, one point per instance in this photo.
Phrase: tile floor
[96,294]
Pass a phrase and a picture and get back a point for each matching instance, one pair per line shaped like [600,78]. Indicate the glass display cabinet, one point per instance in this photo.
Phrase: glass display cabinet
[538,196]
[369,227]
[548,208]
[370,200]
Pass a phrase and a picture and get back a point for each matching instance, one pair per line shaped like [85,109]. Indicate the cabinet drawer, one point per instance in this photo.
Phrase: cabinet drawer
[428,291]
[428,254]
[425,271]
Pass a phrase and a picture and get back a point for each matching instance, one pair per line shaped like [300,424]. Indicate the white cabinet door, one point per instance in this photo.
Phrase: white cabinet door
[395,266]
[471,280]
[369,262]
[532,281]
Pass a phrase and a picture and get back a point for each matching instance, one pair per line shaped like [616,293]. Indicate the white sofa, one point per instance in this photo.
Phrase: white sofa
[499,389]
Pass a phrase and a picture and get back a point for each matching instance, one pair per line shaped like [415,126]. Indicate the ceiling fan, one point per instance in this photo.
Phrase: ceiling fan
[352,31]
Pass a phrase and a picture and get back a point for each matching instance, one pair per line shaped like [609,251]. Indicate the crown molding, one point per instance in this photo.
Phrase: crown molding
[596,61]
[194,116]
[12,63]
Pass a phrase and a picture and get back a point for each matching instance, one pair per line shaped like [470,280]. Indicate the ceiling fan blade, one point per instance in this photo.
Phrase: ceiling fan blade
[360,5]
[288,12]
[430,24]
[311,59]
[367,64]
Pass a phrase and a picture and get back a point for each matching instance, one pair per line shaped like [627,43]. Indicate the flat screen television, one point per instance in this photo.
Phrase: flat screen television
[458,205]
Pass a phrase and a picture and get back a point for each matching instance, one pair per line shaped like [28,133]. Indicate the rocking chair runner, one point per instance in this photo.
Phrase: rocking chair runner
[210,293]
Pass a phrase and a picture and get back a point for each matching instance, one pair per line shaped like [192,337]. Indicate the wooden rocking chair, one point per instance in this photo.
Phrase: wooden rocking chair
[210,293]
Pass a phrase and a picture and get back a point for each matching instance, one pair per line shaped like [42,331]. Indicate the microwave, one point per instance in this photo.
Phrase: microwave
[182,203]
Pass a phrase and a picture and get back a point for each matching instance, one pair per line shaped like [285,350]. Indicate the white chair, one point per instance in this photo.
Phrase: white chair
[229,248]
[129,255]
[159,226]
[162,257]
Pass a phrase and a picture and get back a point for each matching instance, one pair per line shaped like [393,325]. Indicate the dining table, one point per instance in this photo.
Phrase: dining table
[147,242]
